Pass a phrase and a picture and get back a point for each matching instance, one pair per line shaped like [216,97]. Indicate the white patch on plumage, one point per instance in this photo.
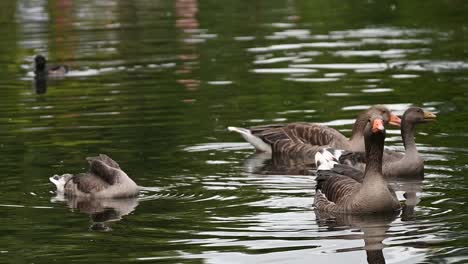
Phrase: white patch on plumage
[332,154]
[322,160]
[337,153]
[327,155]
[60,181]
[255,141]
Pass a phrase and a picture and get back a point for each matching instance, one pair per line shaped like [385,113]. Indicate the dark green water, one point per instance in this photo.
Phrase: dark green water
[154,84]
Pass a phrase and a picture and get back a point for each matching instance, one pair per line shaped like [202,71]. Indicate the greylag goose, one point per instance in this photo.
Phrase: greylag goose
[305,139]
[341,193]
[395,164]
[41,68]
[105,179]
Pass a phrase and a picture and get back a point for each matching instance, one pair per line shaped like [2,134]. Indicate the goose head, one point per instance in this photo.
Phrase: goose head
[384,113]
[375,127]
[363,119]
[417,115]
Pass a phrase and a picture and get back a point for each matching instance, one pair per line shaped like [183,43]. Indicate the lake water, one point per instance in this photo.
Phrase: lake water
[154,84]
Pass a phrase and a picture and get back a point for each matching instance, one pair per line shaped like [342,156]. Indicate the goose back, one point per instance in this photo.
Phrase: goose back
[302,133]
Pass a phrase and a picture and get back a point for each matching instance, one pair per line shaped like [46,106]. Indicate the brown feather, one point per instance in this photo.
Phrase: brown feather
[299,139]
[88,183]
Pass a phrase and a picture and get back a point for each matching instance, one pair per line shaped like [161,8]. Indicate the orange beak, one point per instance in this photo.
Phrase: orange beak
[394,120]
[377,126]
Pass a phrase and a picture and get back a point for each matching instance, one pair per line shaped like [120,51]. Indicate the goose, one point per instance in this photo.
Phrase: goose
[342,193]
[305,139]
[105,179]
[41,68]
[408,165]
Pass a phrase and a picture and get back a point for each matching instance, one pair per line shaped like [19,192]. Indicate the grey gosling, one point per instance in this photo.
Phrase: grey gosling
[105,179]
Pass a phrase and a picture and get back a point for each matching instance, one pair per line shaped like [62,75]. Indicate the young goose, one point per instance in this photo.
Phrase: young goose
[41,68]
[305,139]
[105,179]
[341,193]
[395,164]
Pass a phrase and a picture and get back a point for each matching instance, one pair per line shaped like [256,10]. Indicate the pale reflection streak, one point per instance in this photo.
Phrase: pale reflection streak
[187,23]
[350,43]
[64,23]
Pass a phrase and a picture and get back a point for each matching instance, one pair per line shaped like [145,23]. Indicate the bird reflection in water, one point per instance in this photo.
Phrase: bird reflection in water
[40,83]
[410,190]
[268,164]
[101,211]
[373,227]
[44,72]
[188,27]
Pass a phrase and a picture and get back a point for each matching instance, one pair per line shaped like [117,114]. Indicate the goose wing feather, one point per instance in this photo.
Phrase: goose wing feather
[105,159]
[392,156]
[334,191]
[308,133]
[104,171]
[348,171]
[88,183]
[356,161]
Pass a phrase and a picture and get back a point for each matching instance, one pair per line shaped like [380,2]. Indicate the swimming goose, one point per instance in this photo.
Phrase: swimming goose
[395,164]
[105,179]
[341,193]
[305,139]
[41,68]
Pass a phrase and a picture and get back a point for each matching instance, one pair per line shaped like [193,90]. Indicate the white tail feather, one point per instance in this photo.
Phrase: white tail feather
[336,153]
[60,181]
[255,141]
[327,155]
[323,161]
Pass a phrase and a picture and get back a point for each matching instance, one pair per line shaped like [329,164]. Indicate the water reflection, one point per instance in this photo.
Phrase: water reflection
[374,228]
[187,23]
[102,212]
[40,83]
[411,192]
[268,164]
[391,49]
[135,60]
[63,27]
